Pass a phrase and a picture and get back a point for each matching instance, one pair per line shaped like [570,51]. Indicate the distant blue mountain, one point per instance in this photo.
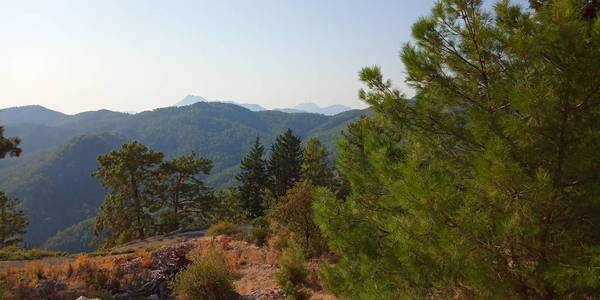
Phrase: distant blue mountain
[300,108]
[329,110]
[191,99]
[314,108]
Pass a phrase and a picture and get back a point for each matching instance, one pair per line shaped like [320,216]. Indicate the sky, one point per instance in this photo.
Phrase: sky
[135,55]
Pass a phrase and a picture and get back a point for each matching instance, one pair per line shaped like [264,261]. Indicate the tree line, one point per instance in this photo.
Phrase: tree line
[149,195]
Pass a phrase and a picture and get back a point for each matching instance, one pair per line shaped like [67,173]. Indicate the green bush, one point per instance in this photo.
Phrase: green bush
[15,253]
[260,230]
[222,228]
[206,278]
[292,273]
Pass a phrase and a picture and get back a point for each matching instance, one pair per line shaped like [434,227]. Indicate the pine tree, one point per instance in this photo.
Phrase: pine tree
[285,163]
[12,221]
[181,191]
[315,168]
[9,146]
[485,184]
[128,175]
[253,179]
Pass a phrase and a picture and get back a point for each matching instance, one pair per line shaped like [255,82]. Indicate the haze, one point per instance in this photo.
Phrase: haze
[75,56]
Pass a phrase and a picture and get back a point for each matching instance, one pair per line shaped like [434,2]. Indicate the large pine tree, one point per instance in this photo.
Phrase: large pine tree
[12,221]
[285,163]
[180,191]
[485,184]
[253,179]
[128,174]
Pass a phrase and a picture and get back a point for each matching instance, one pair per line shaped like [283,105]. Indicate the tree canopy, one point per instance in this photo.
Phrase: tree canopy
[485,184]
[127,174]
[285,163]
[13,221]
[253,179]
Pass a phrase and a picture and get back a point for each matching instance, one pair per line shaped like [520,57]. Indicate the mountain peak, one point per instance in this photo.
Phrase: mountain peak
[190,99]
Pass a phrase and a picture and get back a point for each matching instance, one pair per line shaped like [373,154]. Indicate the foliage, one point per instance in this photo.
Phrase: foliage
[285,163]
[484,185]
[12,221]
[225,206]
[180,190]
[294,212]
[253,179]
[15,253]
[9,146]
[52,178]
[292,272]
[128,175]
[222,228]
[260,230]
[315,168]
[206,278]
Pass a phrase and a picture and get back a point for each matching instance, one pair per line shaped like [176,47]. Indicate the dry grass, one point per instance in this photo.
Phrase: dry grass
[146,258]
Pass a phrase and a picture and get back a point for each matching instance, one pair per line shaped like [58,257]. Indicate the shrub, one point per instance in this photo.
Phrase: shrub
[222,228]
[292,273]
[294,212]
[37,269]
[260,230]
[206,278]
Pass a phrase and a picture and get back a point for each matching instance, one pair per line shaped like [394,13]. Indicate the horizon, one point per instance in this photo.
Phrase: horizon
[139,55]
[296,106]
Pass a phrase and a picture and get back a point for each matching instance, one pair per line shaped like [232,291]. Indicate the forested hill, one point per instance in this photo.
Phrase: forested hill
[53,179]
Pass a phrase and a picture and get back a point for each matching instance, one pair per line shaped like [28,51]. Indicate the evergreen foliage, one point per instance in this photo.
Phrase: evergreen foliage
[253,179]
[127,174]
[13,221]
[9,146]
[485,184]
[285,163]
[225,205]
[291,272]
[315,168]
[180,191]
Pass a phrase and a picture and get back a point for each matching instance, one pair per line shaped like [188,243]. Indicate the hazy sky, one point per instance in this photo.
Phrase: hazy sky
[129,55]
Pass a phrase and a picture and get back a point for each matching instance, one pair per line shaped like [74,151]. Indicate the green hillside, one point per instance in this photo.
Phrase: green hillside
[53,175]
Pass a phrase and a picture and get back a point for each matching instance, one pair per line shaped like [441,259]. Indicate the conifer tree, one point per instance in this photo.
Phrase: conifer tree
[181,191]
[485,184]
[9,146]
[253,179]
[285,163]
[315,168]
[12,221]
[128,175]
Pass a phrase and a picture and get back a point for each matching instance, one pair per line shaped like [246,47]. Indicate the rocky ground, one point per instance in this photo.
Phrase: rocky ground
[146,274]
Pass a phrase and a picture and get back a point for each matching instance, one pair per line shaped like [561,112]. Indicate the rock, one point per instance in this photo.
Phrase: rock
[86,298]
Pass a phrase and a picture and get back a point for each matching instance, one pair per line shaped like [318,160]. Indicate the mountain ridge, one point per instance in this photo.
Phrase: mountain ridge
[58,157]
